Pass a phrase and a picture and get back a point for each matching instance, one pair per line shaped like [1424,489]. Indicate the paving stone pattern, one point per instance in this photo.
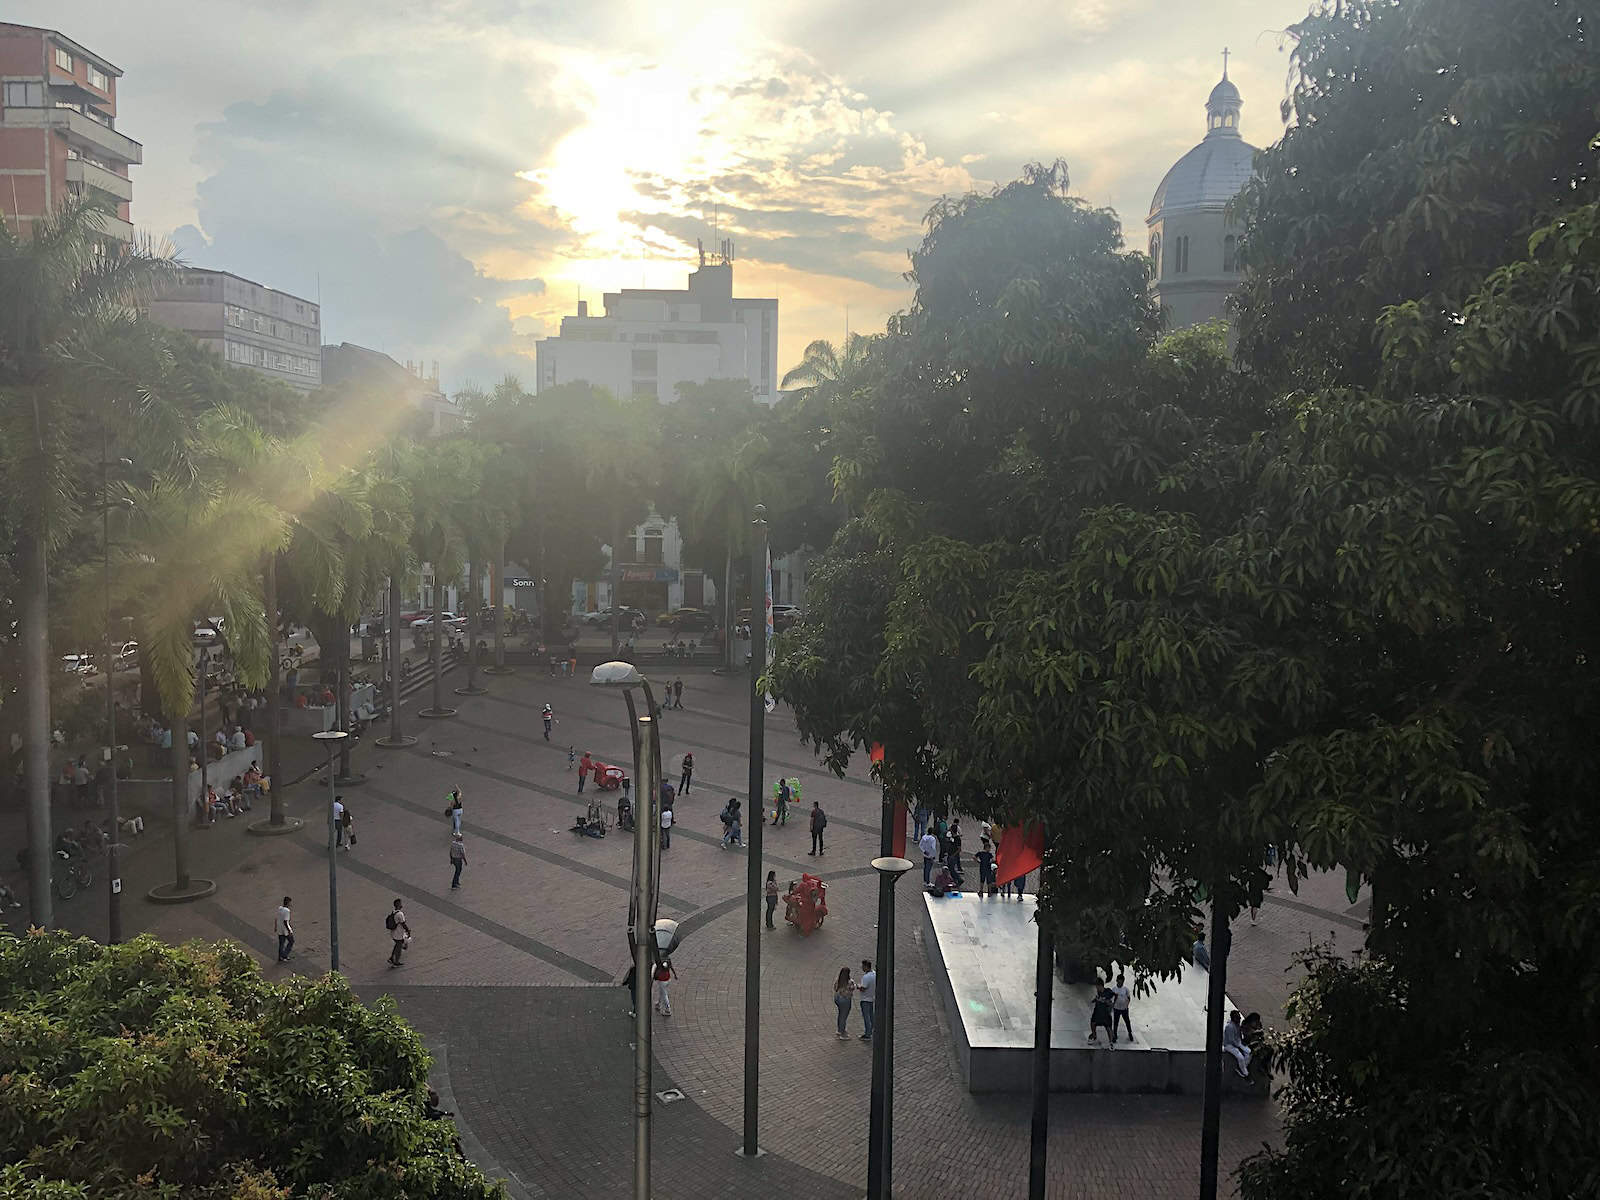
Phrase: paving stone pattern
[510,977]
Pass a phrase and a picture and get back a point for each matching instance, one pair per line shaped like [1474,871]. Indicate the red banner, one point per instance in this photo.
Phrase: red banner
[1021,850]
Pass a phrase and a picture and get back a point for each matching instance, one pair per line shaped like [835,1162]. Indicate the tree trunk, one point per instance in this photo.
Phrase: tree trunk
[394,659]
[270,755]
[499,588]
[727,609]
[341,656]
[616,575]
[1216,994]
[472,626]
[437,632]
[35,637]
[181,816]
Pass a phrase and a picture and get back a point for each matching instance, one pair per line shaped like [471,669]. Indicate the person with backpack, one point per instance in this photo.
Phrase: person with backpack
[458,858]
[399,933]
[664,975]
[729,816]
[819,822]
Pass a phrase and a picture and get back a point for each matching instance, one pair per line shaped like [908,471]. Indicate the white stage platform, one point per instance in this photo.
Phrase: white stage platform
[984,953]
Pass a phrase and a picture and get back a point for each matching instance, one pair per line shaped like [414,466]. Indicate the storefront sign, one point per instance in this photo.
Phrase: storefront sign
[649,574]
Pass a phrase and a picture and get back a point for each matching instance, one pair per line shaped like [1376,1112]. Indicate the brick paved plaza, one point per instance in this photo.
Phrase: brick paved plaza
[512,978]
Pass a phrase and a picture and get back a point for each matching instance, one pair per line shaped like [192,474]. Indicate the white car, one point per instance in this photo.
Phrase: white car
[81,663]
[451,621]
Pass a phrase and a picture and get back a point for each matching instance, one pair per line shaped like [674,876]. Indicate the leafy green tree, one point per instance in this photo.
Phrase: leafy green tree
[139,1071]
[58,294]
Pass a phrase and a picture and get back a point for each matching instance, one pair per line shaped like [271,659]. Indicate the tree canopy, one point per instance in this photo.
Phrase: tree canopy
[140,1071]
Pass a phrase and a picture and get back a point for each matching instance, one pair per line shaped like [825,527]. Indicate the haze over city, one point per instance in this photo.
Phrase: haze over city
[449,179]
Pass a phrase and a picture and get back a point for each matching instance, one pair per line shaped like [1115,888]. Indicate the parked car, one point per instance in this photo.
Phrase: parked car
[127,656]
[783,616]
[691,620]
[631,618]
[205,633]
[80,663]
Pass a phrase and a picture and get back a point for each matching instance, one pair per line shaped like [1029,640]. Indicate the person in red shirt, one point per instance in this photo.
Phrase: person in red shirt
[585,765]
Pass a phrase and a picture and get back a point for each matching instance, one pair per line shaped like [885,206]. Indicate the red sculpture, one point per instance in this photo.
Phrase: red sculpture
[806,904]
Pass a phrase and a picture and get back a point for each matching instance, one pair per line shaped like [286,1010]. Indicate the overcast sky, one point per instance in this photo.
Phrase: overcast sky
[452,175]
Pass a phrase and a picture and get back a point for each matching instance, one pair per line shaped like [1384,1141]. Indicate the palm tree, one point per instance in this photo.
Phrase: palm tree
[436,537]
[60,286]
[725,491]
[822,365]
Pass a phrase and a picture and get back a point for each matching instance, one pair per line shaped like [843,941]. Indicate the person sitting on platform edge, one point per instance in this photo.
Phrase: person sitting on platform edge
[1202,956]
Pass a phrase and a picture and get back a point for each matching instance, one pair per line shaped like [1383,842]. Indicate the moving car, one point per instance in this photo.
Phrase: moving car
[691,620]
[451,621]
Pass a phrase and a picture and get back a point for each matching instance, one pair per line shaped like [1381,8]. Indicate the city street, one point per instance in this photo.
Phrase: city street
[513,978]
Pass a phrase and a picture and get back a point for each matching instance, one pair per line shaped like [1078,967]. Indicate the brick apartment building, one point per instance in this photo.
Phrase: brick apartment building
[58,134]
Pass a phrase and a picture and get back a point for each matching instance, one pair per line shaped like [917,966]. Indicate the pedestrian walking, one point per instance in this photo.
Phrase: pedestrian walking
[572,756]
[868,987]
[781,809]
[347,823]
[458,858]
[452,809]
[549,720]
[919,822]
[677,693]
[399,934]
[985,857]
[732,830]
[1120,999]
[819,822]
[929,845]
[688,773]
[772,897]
[338,820]
[285,931]
[665,974]
[844,990]
[666,827]
[81,779]
[585,765]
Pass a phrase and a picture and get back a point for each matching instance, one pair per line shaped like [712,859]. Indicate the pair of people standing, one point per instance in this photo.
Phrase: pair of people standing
[344,825]
[845,989]
[674,696]
[732,822]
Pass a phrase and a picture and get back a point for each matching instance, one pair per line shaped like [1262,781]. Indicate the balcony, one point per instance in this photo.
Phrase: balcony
[116,227]
[105,142]
[99,178]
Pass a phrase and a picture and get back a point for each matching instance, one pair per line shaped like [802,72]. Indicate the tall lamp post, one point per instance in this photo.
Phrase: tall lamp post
[759,614]
[880,1150]
[643,928]
[332,738]
[113,858]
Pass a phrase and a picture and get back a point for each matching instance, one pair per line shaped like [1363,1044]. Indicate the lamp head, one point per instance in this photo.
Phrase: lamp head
[616,675]
[668,938]
[331,735]
[892,867]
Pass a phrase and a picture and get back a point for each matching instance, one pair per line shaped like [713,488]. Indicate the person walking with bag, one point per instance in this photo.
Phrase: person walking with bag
[664,975]
[844,990]
[458,858]
[399,933]
[348,822]
[819,822]
[772,897]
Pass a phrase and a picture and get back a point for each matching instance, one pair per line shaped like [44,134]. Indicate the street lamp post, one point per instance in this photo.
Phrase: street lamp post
[332,738]
[113,857]
[642,905]
[756,824]
[880,1170]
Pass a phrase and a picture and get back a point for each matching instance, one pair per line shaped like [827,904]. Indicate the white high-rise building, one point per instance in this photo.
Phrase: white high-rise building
[649,340]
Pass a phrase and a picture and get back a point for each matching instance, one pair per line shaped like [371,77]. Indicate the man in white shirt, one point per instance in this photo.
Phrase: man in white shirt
[285,931]
[1120,998]
[1233,1043]
[930,854]
[338,820]
[666,827]
[399,932]
[236,742]
[868,987]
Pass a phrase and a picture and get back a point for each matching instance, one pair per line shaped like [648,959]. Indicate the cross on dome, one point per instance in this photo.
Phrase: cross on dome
[1223,105]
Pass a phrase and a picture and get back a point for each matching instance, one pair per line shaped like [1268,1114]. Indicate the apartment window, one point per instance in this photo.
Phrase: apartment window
[64,60]
[97,79]
[644,363]
[1230,253]
[652,546]
[24,95]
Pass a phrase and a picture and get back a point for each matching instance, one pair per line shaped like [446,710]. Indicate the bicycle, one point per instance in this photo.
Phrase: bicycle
[69,880]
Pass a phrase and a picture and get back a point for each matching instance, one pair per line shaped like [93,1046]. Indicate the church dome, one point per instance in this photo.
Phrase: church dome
[1213,172]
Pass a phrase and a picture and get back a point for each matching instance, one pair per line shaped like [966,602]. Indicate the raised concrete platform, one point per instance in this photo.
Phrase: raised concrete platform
[984,953]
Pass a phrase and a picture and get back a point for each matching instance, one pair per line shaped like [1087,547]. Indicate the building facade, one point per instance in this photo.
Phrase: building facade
[1193,244]
[649,340]
[267,331]
[350,363]
[58,130]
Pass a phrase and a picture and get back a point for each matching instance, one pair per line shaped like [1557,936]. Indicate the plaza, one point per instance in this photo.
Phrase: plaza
[513,979]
